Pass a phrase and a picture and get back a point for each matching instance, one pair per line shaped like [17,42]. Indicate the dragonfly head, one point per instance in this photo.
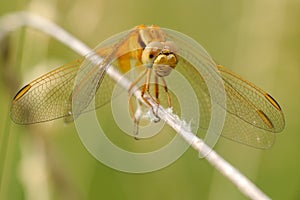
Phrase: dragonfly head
[160,56]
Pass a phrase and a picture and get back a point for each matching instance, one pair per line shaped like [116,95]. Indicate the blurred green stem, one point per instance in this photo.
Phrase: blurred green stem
[3,149]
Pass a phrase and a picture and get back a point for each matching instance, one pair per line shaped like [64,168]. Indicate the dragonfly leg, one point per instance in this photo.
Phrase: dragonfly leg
[137,80]
[136,115]
[156,93]
[145,89]
[167,91]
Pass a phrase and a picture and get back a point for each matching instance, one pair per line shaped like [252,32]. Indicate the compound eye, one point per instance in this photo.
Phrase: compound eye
[151,55]
[151,51]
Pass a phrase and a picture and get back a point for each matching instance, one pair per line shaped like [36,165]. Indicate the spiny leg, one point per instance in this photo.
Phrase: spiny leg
[136,117]
[167,92]
[156,88]
[135,114]
[156,93]
[145,88]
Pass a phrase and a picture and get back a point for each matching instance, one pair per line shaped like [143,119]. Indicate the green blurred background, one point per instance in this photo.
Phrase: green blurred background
[259,40]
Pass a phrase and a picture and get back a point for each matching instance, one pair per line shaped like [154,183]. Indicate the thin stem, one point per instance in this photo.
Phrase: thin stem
[12,21]
[3,150]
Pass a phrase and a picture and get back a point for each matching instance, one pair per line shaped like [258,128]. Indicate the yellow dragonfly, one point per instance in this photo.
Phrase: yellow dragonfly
[252,115]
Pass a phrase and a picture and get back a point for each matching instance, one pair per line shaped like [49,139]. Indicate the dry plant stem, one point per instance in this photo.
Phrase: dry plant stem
[13,21]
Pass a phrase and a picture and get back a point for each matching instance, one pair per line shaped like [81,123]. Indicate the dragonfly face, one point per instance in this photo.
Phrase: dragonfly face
[161,57]
[252,115]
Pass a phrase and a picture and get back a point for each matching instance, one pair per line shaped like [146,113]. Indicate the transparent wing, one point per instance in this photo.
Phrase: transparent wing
[250,103]
[74,85]
[92,84]
[252,116]
[47,97]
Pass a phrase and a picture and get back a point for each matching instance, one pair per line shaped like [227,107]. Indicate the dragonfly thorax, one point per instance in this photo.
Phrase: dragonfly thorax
[160,56]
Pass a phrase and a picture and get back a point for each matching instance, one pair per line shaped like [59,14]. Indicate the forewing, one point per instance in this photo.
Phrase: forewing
[70,89]
[92,84]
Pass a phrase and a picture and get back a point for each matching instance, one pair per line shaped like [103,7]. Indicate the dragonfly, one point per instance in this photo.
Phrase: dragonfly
[253,117]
